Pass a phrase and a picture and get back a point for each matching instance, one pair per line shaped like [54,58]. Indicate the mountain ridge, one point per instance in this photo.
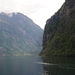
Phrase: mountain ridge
[59,33]
[19,35]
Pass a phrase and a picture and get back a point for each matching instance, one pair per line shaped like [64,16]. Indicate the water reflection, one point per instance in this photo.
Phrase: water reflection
[23,65]
[59,65]
[36,65]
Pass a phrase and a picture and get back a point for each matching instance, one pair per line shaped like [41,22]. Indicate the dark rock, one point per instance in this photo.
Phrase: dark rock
[59,33]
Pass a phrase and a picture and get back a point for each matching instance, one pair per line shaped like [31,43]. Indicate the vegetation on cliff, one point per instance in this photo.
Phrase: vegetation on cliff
[59,33]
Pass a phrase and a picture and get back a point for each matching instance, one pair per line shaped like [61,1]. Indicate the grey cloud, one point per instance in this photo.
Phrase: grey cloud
[27,6]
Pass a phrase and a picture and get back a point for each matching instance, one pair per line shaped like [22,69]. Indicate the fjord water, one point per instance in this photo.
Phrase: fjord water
[36,65]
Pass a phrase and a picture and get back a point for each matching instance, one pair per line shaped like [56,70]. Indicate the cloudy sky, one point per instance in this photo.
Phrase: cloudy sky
[38,10]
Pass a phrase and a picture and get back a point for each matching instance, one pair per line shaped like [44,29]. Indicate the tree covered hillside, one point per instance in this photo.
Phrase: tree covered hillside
[59,33]
[19,35]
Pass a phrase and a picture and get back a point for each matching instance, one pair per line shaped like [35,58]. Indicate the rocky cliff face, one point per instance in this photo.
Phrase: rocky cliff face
[59,33]
[19,35]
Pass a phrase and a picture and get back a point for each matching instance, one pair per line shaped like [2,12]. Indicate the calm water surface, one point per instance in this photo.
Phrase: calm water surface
[36,65]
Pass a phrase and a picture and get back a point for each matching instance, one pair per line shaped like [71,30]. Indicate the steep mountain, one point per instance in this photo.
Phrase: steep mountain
[59,33]
[19,35]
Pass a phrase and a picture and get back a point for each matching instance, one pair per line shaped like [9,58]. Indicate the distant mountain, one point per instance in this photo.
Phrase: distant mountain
[59,33]
[19,35]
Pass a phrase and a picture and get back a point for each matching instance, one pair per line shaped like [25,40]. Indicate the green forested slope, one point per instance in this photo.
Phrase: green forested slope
[19,35]
[59,33]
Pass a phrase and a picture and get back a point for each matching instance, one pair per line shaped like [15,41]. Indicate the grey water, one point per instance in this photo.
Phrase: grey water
[36,65]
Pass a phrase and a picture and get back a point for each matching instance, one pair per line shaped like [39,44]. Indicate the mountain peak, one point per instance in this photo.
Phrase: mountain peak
[9,14]
[19,35]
